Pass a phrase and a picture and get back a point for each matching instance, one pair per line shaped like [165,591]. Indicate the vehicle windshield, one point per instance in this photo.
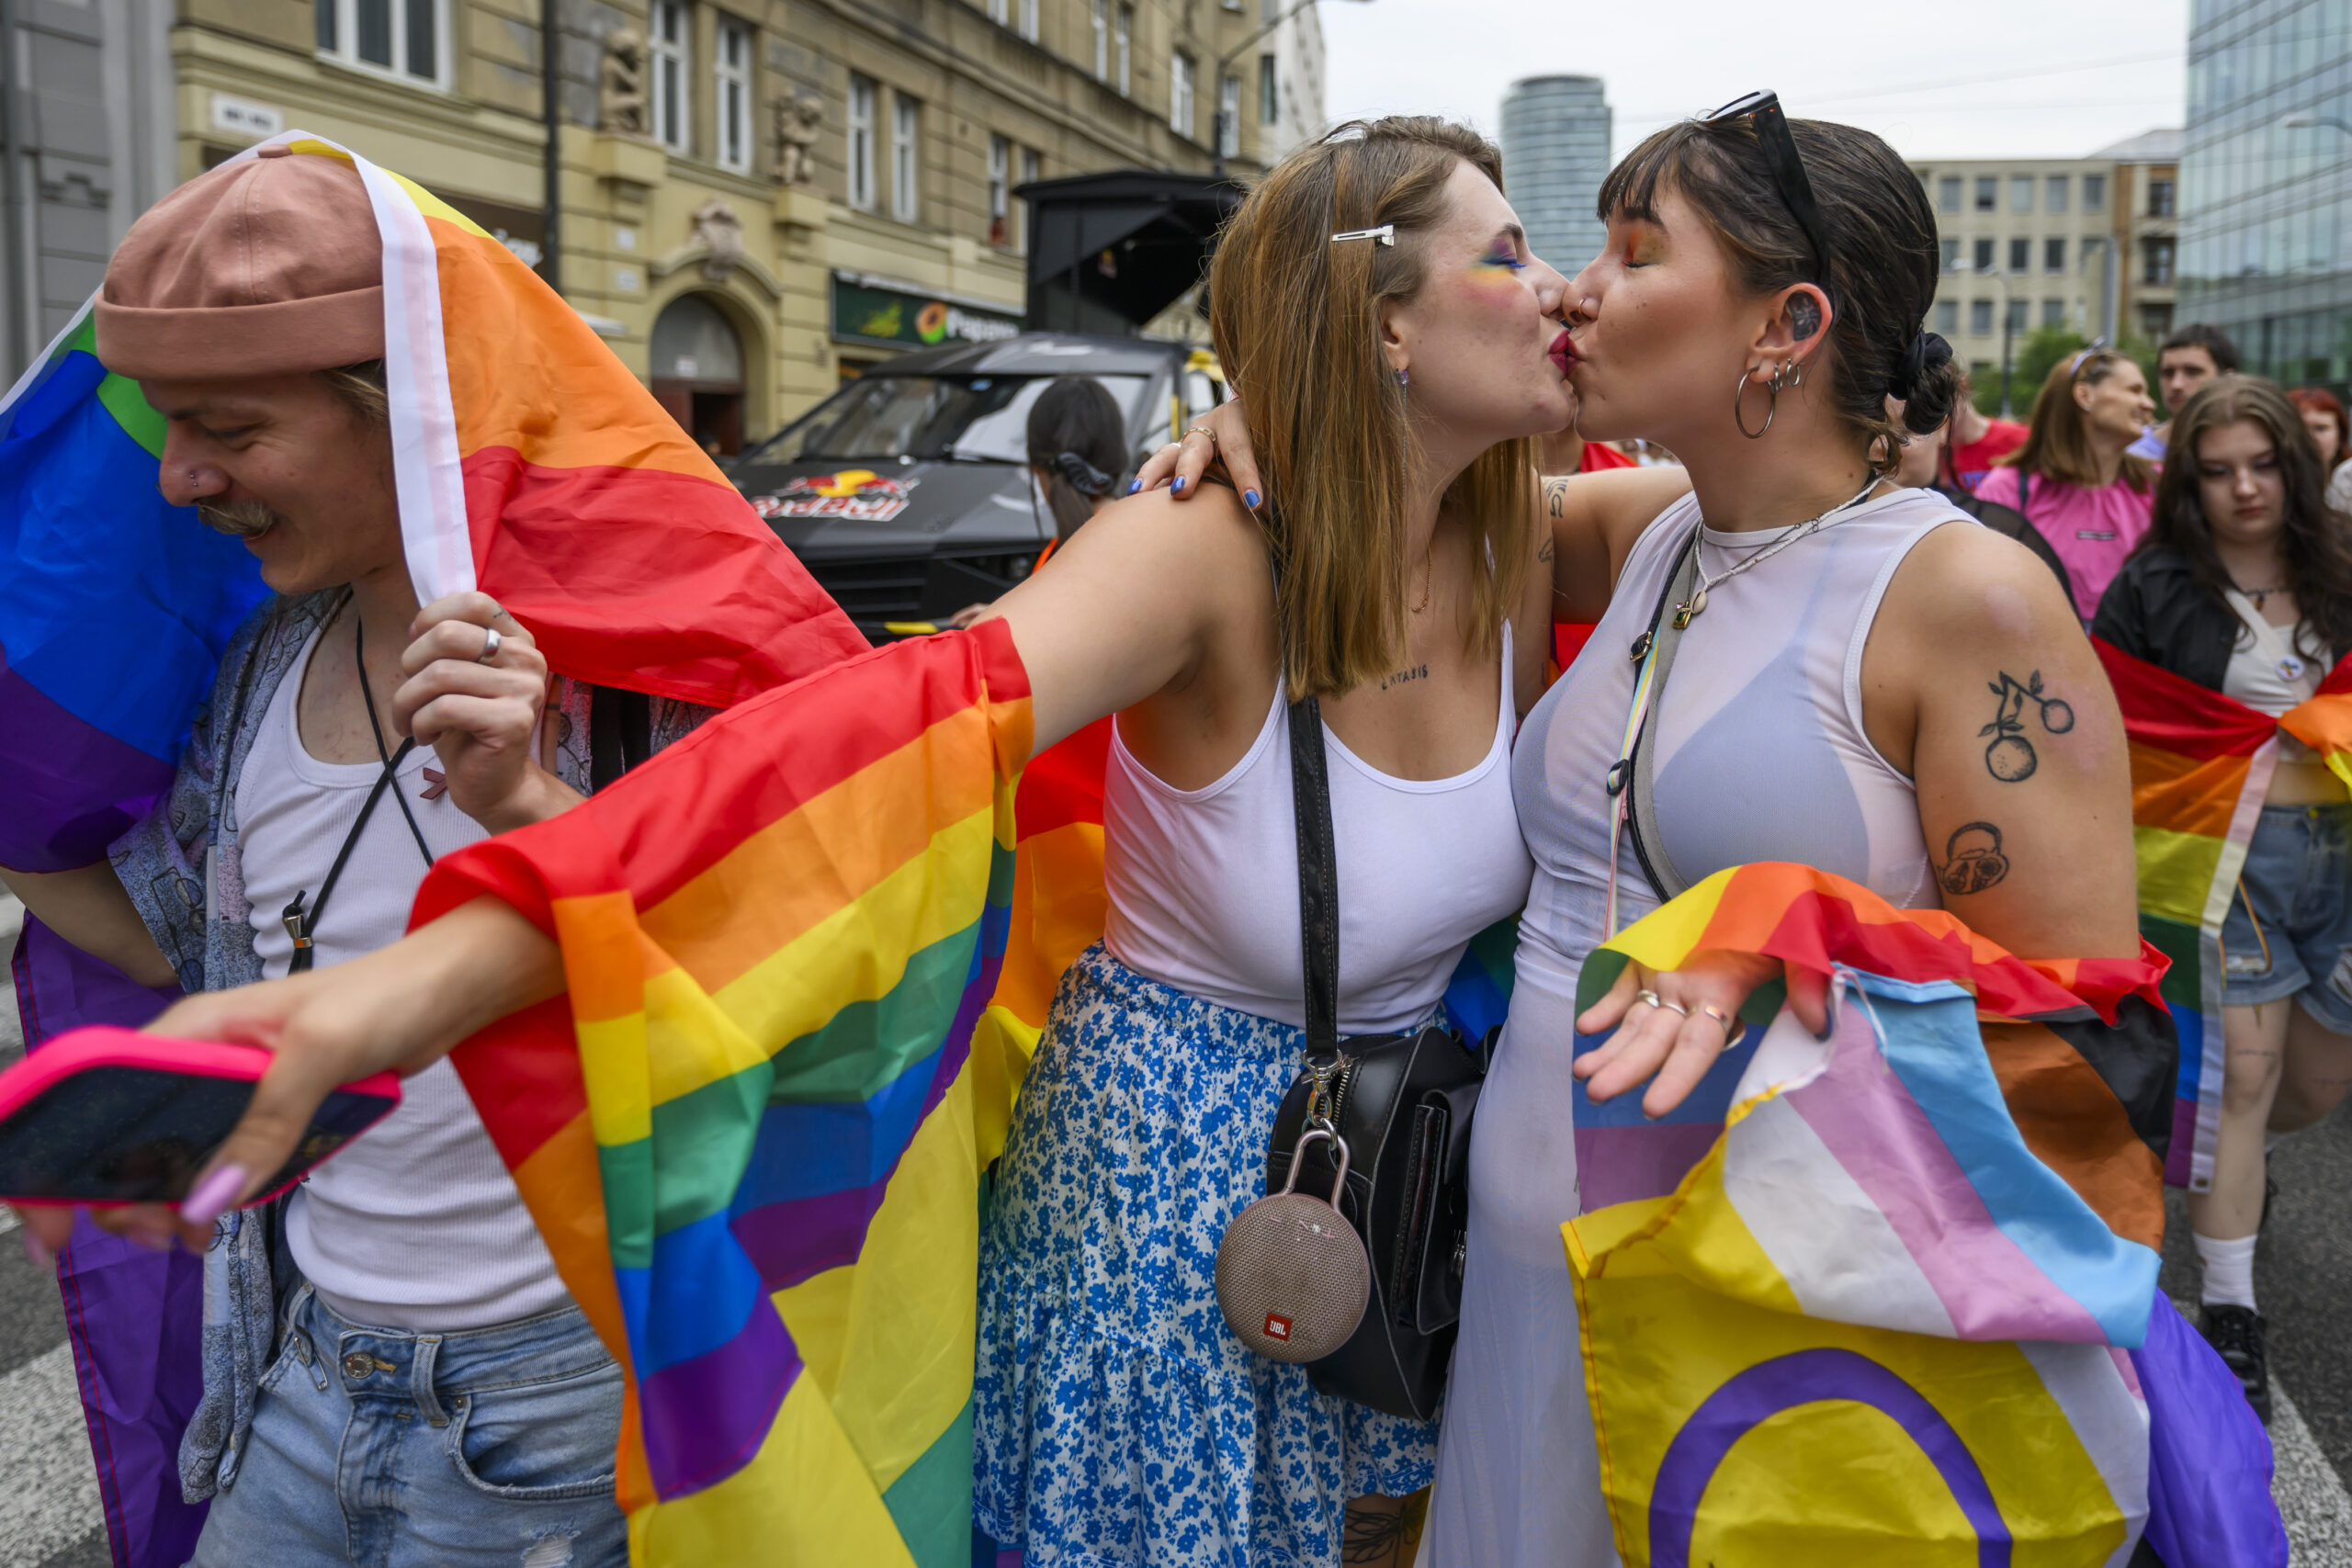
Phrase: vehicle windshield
[972,418]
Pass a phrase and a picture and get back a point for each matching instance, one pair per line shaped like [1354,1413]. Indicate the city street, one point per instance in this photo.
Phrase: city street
[49,1516]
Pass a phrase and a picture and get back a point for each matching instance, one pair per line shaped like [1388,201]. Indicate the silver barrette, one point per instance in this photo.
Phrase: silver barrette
[1385,234]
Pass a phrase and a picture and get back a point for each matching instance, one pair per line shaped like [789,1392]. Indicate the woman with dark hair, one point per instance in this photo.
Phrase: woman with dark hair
[1843,643]
[2076,478]
[2244,585]
[1078,450]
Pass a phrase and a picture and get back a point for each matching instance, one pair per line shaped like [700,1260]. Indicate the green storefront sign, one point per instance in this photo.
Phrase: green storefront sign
[891,318]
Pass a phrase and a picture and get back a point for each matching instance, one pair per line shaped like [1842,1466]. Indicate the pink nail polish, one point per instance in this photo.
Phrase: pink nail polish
[41,1255]
[213,1195]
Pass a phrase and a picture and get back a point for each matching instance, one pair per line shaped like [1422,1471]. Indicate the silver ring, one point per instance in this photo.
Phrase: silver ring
[1676,1009]
[1733,1028]
[1651,997]
[490,641]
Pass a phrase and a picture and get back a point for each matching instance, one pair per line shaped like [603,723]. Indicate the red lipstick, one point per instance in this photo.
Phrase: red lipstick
[1564,353]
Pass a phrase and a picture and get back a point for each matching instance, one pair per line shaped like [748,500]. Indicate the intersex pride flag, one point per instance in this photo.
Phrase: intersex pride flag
[2200,766]
[1903,1307]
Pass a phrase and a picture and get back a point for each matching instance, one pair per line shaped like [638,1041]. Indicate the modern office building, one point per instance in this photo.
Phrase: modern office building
[2265,184]
[1555,153]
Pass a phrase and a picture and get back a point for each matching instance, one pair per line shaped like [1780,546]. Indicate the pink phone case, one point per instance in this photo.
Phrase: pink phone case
[104,1045]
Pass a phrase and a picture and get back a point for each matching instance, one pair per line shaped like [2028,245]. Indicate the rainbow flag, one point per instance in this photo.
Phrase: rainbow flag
[1900,1309]
[528,462]
[2200,767]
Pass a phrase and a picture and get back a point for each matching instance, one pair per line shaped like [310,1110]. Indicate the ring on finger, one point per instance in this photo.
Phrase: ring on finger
[1202,430]
[490,641]
[1648,999]
[1733,1029]
[1676,1009]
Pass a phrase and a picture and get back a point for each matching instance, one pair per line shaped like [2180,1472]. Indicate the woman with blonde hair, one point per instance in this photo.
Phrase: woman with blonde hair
[1376,299]
[2075,478]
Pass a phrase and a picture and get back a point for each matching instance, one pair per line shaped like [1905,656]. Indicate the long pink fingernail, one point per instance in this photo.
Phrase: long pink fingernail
[213,1195]
[39,1252]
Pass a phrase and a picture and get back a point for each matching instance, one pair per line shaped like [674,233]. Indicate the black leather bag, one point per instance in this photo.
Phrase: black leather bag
[1403,1104]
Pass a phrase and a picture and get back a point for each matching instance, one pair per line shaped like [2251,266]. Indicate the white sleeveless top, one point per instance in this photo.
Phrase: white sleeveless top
[1204,883]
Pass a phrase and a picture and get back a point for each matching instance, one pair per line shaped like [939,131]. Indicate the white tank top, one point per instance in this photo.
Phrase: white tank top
[1762,752]
[1204,883]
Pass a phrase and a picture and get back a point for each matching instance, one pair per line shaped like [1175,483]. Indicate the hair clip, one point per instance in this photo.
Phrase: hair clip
[1385,234]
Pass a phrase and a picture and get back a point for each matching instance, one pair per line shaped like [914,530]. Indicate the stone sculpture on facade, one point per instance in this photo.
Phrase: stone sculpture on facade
[621,83]
[718,228]
[798,119]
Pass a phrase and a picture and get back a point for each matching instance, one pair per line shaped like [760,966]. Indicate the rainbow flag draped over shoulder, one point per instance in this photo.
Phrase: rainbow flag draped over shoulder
[1898,1311]
[528,462]
[753,1133]
[2200,767]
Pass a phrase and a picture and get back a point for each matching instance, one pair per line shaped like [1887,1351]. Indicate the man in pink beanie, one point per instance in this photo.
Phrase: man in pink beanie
[394,1374]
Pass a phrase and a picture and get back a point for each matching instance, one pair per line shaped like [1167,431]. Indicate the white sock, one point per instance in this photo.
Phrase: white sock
[2229,1271]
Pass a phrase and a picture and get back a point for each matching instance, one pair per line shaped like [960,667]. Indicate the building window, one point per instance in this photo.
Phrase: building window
[1099,20]
[2094,193]
[1180,94]
[1028,178]
[2020,255]
[861,143]
[1989,190]
[1000,191]
[1948,194]
[1947,317]
[670,43]
[1229,117]
[1979,317]
[2156,262]
[2053,312]
[731,79]
[400,36]
[1029,20]
[1952,256]
[1983,259]
[2054,192]
[906,193]
[1270,100]
[2160,201]
[1000,11]
[2054,256]
[1123,44]
[2020,193]
[2017,317]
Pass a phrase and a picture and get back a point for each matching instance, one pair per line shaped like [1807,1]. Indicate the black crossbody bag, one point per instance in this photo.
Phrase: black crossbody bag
[1403,1104]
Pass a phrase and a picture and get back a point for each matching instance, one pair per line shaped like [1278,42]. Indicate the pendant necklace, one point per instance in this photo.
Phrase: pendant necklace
[1696,605]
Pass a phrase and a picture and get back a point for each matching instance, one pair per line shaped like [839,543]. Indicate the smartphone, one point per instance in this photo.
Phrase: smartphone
[107,1116]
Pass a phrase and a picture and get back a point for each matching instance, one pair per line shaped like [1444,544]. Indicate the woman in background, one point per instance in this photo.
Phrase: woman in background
[2074,478]
[2244,585]
[1078,449]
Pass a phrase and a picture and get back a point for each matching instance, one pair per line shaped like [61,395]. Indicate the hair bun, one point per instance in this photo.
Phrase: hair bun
[1083,476]
[1929,353]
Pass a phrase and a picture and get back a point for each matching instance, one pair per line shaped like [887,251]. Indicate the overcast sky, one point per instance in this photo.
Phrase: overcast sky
[1981,78]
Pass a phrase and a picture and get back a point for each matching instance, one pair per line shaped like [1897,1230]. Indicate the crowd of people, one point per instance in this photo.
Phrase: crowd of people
[1414,486]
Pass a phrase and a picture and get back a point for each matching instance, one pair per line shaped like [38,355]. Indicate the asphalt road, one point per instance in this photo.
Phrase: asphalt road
[48,1502]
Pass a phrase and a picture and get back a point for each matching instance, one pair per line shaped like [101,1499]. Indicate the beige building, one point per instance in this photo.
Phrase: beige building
[758,199]
[2027,243]
[2147,230]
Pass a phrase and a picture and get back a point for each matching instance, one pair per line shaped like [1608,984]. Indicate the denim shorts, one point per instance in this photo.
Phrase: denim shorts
[375,1448]
[2290,929]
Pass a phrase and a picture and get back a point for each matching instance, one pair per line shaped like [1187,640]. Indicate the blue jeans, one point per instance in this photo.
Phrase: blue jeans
[2290,927]
[377,1448]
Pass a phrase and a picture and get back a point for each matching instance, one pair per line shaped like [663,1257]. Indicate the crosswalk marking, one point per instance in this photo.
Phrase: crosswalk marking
[52,1498]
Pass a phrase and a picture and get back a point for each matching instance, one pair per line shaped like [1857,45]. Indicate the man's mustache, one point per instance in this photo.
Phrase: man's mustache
[238,519]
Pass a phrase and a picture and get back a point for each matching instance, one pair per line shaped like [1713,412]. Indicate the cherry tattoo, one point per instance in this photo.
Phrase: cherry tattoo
[2010,756]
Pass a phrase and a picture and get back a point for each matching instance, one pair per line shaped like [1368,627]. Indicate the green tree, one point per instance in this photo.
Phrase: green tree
[2040,349]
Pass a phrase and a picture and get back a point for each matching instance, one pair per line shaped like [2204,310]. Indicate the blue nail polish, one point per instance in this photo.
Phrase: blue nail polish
[1251,497]
[1180,486]
[1134,487]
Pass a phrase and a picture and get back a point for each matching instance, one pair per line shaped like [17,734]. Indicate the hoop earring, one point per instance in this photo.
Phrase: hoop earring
[1739,398]
[1789,376]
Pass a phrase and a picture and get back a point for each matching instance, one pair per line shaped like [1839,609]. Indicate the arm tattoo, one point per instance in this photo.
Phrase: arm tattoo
[2010,757]
[1555,498]
[1418,672]
[1972,859]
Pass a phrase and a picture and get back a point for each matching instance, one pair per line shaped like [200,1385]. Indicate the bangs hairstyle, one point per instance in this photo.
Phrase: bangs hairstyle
[2058,438]
[2318,555]
[1880,273]
[1297,322]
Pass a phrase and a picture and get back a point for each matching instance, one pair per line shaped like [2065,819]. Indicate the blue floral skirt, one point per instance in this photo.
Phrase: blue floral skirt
[1115,1418]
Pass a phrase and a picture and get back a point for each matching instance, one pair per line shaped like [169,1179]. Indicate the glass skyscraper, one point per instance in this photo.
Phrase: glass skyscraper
[1555,153]
[2266,220]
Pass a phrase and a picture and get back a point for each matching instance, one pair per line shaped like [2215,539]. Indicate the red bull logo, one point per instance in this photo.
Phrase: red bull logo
[857,493]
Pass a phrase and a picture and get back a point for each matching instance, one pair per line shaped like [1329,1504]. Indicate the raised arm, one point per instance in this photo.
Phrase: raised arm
[88,908]
[1594,520]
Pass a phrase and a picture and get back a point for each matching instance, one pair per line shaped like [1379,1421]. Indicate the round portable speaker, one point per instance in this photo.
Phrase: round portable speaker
[1291,1277]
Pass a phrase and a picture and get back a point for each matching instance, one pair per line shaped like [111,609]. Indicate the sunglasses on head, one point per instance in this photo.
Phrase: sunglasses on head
[1762,112]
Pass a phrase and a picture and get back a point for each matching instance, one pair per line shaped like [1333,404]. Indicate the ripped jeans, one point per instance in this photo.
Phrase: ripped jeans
[383,1449]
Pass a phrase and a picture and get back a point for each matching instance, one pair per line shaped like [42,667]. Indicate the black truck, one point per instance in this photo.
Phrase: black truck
[908,494]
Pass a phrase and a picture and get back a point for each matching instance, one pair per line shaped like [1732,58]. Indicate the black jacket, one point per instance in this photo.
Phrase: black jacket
[2155,610]
[2010,521]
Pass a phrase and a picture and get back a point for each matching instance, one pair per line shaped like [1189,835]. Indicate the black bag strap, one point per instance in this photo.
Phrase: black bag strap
[1319,877]
[620,733]
[1665,637]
